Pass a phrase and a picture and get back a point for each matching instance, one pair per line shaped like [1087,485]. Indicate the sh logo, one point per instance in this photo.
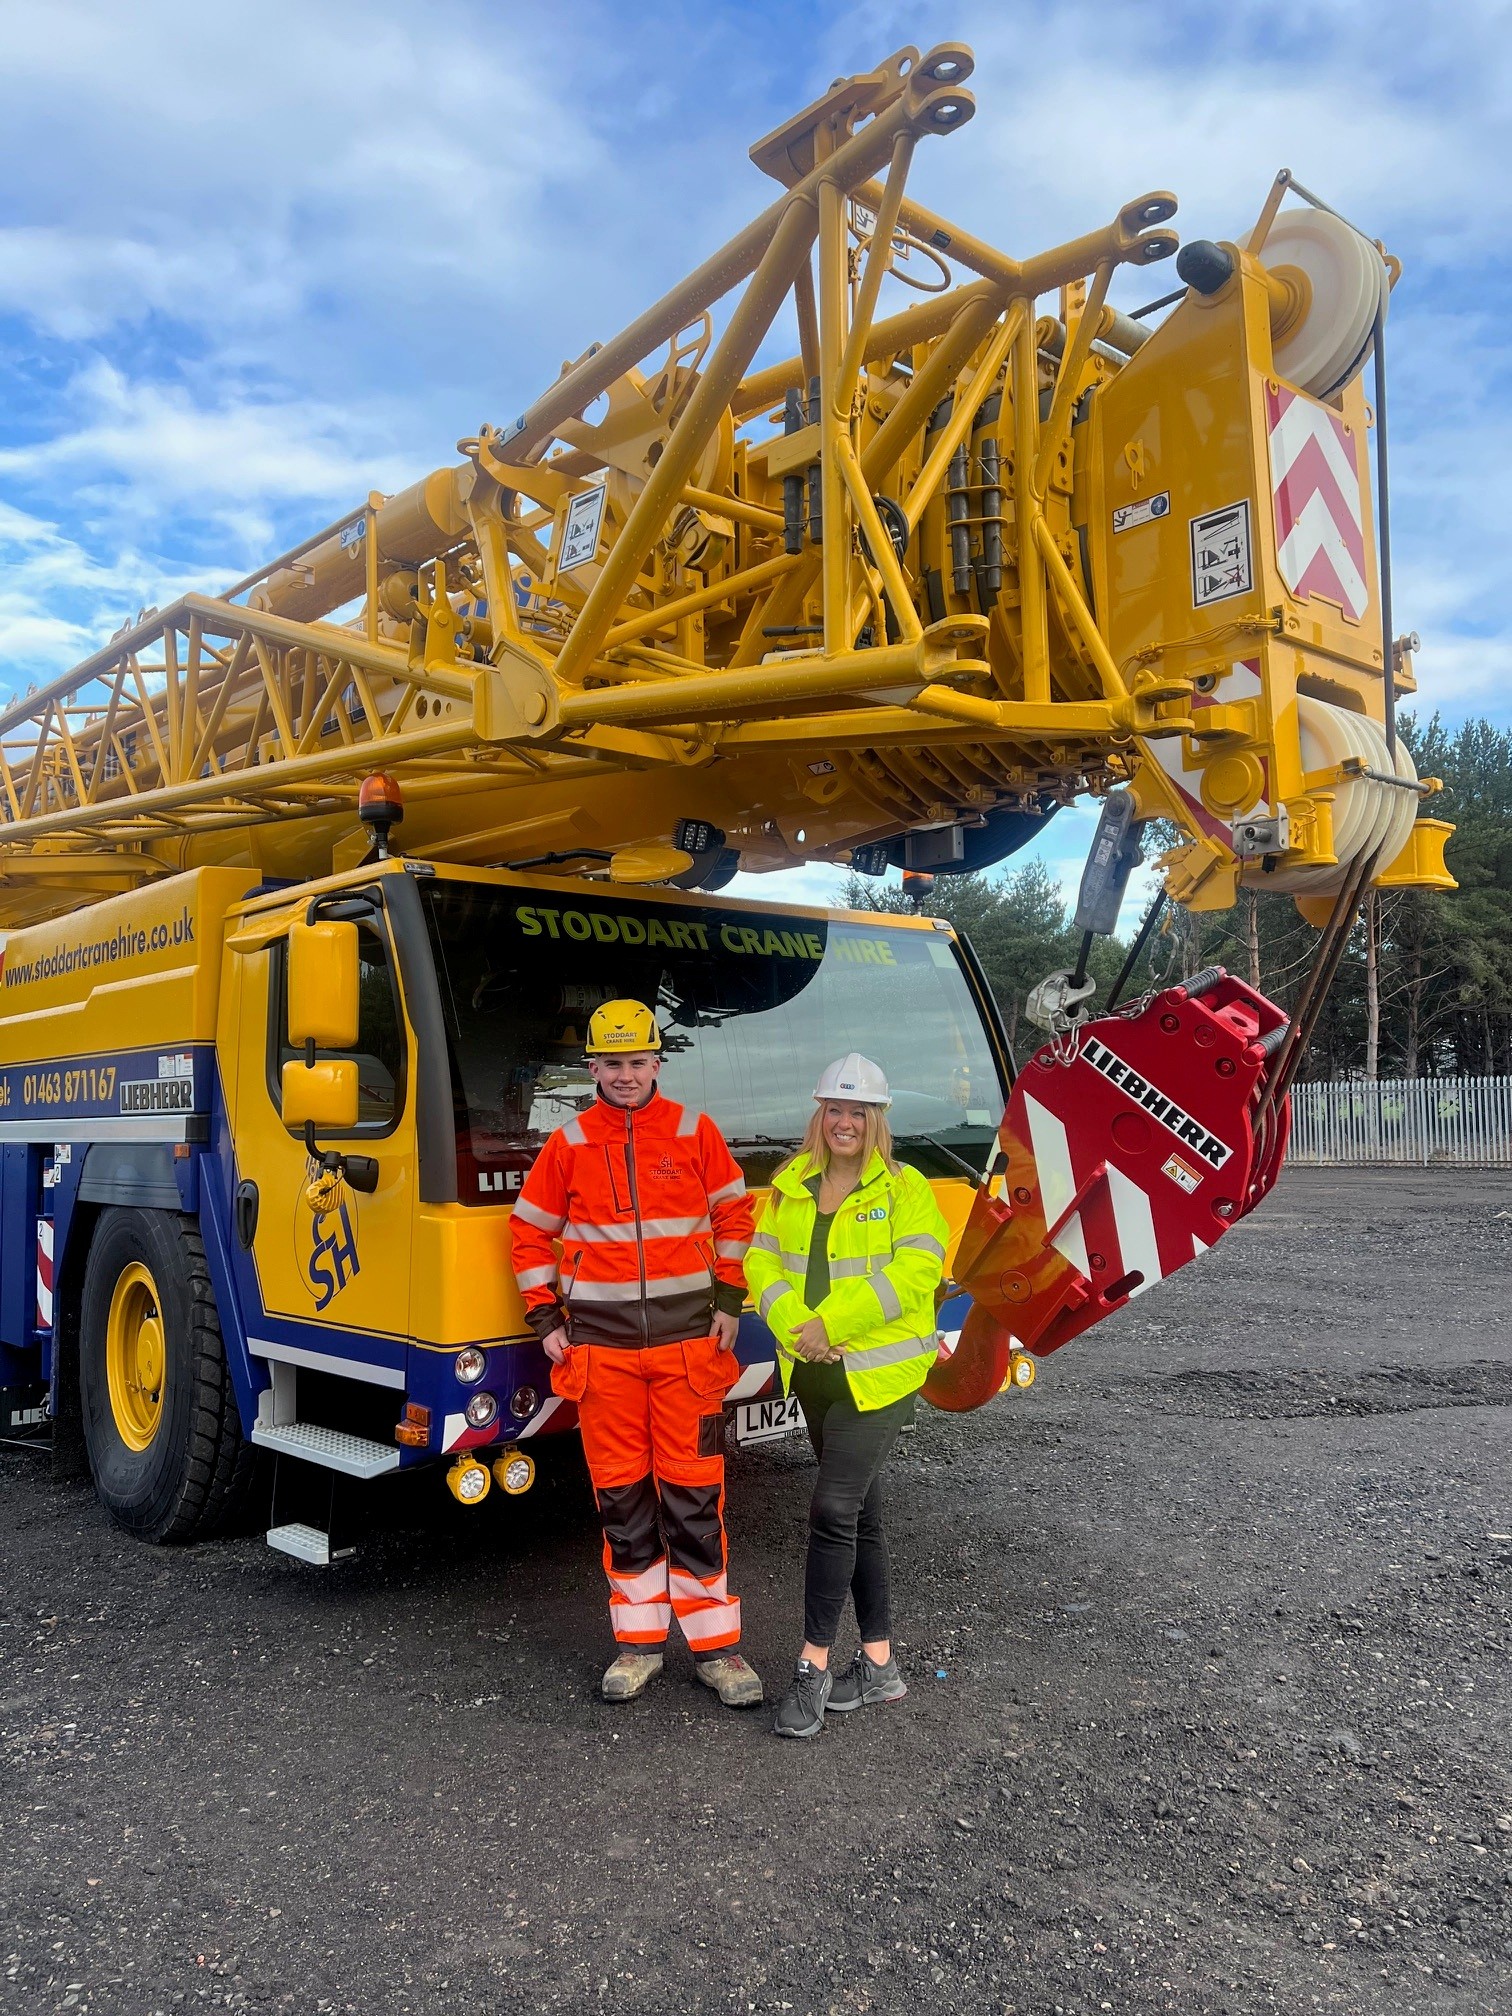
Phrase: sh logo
[333,1256]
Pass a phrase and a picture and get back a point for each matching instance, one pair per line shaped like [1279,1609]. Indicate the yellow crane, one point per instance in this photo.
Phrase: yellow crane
[897,596]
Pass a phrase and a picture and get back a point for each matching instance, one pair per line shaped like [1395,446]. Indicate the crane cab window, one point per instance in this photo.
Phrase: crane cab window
[379,1053]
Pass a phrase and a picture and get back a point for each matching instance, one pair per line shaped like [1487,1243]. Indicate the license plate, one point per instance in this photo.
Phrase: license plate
[765,1420]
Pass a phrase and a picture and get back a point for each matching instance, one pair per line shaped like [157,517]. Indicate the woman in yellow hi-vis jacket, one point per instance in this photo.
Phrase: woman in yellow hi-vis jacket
[844,1267]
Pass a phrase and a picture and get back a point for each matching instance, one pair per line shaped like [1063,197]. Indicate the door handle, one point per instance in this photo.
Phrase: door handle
[245,1214]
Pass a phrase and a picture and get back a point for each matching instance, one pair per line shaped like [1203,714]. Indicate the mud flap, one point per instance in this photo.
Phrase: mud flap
[1132,1147]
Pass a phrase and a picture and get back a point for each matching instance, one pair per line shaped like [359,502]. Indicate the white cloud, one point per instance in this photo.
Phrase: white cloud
[77,284]
[321,188]
[1384,110]
[58,600]
[173,450]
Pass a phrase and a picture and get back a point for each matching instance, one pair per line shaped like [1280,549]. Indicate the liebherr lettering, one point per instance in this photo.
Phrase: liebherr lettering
[157,1095]
[1150,1099]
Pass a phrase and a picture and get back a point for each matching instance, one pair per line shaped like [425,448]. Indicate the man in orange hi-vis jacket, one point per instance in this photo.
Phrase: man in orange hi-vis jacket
[647,1209]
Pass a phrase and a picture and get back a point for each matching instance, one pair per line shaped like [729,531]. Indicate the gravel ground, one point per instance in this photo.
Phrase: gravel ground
[1207,1638]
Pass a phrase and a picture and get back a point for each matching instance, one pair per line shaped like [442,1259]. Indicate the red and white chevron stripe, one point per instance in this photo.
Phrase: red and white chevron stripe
[1116,1213]
[44,1273]
[1240,682]
[1320,516]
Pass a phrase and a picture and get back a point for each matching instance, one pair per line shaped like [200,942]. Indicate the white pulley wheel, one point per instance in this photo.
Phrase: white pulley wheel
[1347,276]
[1367,814]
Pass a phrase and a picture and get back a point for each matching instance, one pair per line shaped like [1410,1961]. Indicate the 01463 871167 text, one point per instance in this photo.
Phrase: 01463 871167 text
[137,1081]
[71,1087]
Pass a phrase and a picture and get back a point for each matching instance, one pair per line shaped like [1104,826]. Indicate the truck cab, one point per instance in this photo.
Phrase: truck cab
[277,1219]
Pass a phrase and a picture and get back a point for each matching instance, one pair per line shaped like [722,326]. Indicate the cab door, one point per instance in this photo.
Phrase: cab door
[330,1254]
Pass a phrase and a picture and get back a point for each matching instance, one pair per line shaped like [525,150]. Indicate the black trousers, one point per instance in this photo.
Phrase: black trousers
[847,1548]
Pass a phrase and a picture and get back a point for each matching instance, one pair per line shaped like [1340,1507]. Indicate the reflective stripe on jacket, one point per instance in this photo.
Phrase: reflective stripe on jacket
[648,1211]
[886,1258]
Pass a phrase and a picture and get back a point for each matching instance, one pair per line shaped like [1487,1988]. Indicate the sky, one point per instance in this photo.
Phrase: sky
[257,260]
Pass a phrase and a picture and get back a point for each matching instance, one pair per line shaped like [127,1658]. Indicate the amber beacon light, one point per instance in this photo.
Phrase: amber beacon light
[380,806]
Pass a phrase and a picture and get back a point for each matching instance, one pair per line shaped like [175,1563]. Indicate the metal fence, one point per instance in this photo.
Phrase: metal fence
[1462,1121]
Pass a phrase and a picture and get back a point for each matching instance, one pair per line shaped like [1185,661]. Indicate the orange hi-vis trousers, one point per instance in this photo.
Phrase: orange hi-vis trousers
[653,1434]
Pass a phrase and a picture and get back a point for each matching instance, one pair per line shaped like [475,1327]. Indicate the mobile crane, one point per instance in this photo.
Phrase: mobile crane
[267,1084]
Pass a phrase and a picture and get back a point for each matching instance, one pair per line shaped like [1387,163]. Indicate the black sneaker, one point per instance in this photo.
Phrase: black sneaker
[864,1685]
[801,1711]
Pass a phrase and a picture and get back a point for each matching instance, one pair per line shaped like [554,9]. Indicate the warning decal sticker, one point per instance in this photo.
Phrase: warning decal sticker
[1181,1173]
[580,535]
[1222,559]
[1127,516]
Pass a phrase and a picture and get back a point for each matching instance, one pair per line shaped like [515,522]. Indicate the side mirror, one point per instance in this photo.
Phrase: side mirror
[322,1095]
[324,988]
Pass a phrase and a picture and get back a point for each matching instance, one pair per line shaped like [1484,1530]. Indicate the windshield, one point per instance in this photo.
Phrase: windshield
[752,1005]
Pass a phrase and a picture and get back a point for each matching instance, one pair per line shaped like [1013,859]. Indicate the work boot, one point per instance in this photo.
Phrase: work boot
[737,1684]
[801,1711]
[864,1685]
[630,1675]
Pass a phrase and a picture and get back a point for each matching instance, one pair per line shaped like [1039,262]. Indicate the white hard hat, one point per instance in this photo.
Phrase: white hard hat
[856,1078]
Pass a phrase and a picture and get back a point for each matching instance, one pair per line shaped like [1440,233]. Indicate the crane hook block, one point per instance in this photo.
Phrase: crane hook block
[1133,1143]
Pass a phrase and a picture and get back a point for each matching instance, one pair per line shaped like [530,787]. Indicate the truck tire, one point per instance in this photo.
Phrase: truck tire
[160,1420]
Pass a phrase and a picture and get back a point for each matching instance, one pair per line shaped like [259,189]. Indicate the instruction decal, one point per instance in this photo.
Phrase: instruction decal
[580,535]
[1222,554]
[1127,516]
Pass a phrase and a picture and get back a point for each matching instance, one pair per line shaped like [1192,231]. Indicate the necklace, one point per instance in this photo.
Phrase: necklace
[831,1195]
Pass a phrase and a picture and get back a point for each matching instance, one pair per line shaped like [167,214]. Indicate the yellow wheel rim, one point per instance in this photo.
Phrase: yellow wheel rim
[135,1356]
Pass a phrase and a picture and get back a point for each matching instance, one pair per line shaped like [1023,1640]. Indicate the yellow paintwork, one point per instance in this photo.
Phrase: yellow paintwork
[1421,863]
[324,1094]
[363,1241]
[135,1356]
[132,998]
[323,984]
[1208,448]
[654,597]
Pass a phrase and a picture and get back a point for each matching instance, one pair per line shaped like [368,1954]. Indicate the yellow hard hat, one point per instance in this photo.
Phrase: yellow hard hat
[620,1027]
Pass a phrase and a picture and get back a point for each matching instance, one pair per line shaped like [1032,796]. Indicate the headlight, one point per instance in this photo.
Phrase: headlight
[515,1472]
[468,1481]
[481,1409]
[470,1365]
[523,1402]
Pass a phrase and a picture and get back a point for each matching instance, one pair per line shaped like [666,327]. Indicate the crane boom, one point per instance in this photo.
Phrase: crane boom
[945,568]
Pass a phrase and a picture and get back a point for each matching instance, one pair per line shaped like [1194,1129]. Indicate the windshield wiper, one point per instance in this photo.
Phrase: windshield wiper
[978,1176]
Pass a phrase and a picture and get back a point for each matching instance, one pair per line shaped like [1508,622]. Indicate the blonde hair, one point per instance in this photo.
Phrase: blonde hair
[876,1138]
